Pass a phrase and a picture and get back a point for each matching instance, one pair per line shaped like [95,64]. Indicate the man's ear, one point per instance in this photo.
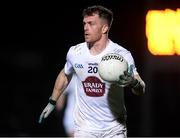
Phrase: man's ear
[105,29]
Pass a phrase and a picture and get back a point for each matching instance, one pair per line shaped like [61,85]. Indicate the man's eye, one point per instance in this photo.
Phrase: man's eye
[92,23]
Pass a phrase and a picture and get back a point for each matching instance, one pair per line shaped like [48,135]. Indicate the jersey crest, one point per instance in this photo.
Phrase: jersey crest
[93,86]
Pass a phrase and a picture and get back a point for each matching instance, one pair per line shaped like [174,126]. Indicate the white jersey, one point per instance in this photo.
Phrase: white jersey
[98,102]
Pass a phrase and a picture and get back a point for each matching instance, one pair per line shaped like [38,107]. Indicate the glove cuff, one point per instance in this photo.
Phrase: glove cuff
[135,83]
[53,102]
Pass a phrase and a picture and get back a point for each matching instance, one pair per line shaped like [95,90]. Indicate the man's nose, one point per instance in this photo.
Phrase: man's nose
[85,27]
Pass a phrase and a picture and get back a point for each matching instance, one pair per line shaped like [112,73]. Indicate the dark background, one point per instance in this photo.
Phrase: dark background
[35,37]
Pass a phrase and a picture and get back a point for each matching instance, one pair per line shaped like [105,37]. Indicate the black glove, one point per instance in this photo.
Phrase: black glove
[127,78]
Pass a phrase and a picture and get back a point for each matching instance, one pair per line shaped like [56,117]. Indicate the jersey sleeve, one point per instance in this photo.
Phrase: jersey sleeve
[131,62]
[68,68]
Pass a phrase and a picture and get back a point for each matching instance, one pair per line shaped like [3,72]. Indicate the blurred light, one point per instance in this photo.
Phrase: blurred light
[163,31]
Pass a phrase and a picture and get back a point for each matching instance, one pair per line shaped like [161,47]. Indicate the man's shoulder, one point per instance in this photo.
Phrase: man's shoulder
[78,46]
[77,49]
[117,47]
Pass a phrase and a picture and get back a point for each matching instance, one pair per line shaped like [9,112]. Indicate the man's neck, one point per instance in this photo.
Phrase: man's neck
[98,47]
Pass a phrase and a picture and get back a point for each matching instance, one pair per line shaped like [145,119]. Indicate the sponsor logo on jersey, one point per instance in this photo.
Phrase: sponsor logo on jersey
[112,56]
[93,64]
[93,86]
[76,65]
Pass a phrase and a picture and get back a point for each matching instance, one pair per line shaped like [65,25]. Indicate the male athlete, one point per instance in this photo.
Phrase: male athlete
[99,110]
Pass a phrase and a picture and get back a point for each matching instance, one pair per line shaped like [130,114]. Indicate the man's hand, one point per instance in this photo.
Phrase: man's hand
[127,78]
[47,110]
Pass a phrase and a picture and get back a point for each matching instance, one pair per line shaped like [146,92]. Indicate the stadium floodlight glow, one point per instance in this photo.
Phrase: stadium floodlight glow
[163,31]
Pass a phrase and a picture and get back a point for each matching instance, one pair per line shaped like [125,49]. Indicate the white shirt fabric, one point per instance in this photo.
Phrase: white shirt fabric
[98,102]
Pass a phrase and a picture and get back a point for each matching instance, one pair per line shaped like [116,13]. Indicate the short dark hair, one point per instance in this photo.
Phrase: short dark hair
[103,12]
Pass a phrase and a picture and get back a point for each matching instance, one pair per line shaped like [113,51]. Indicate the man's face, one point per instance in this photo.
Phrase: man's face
[93,28]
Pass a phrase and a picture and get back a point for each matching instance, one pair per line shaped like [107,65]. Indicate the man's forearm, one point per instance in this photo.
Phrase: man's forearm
[60,84]
[139,86]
